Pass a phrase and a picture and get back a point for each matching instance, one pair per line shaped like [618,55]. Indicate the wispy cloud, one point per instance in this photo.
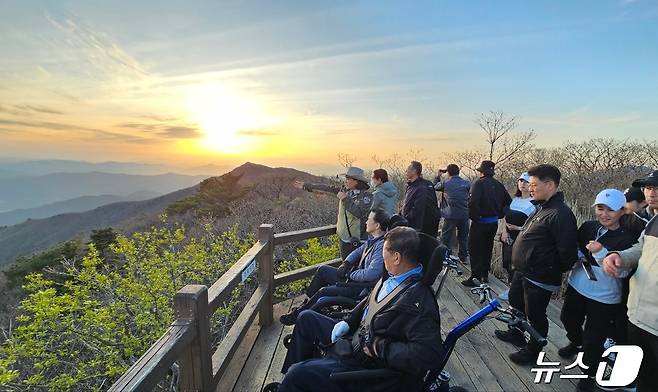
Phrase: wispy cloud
[88,132]
[164,130]
[258,132]
[38,109]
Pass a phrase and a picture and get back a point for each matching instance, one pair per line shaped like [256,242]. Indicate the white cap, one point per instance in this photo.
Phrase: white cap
[525,177]
[612,198]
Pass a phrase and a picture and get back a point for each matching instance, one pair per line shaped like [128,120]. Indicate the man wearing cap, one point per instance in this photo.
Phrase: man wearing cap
[454,208]
[353,207]
[545,248]
[642,300]
[420,207]
[488,201]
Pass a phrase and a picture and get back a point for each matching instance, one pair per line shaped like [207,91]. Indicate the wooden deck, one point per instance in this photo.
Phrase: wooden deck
[479,362]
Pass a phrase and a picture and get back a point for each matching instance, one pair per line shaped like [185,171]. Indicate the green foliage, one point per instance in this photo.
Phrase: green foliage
[25,265]
[83,333]
[103,239]
[313,253]
[214,195]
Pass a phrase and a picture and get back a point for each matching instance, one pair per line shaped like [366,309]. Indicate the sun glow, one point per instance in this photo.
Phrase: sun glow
[228,118]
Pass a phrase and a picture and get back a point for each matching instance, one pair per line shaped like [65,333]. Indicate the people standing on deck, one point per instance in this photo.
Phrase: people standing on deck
[420,207]
[545,248]
[642,300]
[454,209]
[385,194]
[353,208]
[488,201]
[591,294]
[515,217]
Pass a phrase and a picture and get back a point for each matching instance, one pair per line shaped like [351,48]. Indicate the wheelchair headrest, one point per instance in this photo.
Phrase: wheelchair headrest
[397,220]
[431,254]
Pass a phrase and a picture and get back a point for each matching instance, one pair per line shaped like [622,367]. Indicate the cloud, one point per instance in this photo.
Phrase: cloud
[38,109]
[96,53]
[170,131]
[259,132]
[92,133]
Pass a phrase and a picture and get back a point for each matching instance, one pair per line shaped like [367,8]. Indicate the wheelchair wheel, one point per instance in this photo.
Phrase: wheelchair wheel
[286,340]
[271,387]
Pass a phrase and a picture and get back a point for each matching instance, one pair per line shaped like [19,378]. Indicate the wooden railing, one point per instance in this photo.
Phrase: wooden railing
[187,340]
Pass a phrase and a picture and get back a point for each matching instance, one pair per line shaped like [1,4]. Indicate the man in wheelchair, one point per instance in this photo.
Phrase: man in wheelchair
[364,265]
[397,327]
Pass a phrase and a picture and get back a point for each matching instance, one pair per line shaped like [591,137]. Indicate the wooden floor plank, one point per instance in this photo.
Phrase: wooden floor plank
[477,370]
[468,301]
[232,373]
[255,369]
[274,371]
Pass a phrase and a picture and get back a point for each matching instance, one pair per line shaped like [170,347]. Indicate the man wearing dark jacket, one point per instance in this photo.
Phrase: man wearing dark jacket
[420,207]
[547,246]
[488,202]
[396,327]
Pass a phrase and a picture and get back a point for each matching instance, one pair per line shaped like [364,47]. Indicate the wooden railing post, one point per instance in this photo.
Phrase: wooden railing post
[191,303]
[266,273]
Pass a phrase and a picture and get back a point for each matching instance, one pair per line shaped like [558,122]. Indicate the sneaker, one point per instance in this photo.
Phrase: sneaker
[513,336]
[504,295]
[469,282]
[524,357]
[569,350]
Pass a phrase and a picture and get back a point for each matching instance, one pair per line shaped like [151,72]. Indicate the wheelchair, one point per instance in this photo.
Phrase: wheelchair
[338,307]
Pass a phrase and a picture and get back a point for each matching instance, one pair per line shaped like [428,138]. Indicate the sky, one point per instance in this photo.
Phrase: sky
[294,83]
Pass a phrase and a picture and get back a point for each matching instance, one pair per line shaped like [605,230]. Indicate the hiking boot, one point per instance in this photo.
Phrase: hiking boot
[469,282]
[569,350]
[511,336]
[588,385]
[524,357]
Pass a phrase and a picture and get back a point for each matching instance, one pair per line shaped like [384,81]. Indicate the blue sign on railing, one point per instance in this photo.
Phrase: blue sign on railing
[248,270]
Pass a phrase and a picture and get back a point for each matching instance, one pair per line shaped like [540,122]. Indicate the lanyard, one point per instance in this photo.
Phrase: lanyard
[600,232]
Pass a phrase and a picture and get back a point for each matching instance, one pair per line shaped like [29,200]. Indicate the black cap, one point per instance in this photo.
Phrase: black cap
[634,194]
[486,167]
[652,179]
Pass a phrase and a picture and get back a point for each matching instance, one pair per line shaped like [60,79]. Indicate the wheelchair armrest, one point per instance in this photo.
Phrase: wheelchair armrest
[356,285]
[360,375]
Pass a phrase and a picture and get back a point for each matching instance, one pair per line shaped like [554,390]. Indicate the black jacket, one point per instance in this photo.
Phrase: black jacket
[407,334]
[421,208]
[547,245]
[613,240]
[489,198]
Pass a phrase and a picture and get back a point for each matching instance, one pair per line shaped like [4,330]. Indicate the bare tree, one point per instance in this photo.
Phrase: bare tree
[503,144]
[346,160]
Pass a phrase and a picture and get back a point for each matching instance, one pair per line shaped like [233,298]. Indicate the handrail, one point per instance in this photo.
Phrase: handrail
[187,339]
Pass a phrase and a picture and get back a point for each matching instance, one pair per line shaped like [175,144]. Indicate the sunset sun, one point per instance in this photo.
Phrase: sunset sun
[227,117]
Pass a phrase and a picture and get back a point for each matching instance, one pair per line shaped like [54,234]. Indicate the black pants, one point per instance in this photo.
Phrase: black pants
[647,380]
[532,300]
[326,275]
[345,249]
[480,247]
[600,322]
[310,329]
[448,231]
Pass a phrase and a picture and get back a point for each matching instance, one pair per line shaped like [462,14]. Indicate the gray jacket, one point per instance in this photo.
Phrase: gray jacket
[454,200]
[385,197]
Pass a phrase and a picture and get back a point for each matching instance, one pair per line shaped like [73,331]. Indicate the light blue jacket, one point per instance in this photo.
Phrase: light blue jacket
[385,197]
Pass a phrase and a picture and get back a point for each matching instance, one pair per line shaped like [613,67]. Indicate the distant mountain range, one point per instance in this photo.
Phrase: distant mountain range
[78,204]
[11,168]
[39,234]
[36,191]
